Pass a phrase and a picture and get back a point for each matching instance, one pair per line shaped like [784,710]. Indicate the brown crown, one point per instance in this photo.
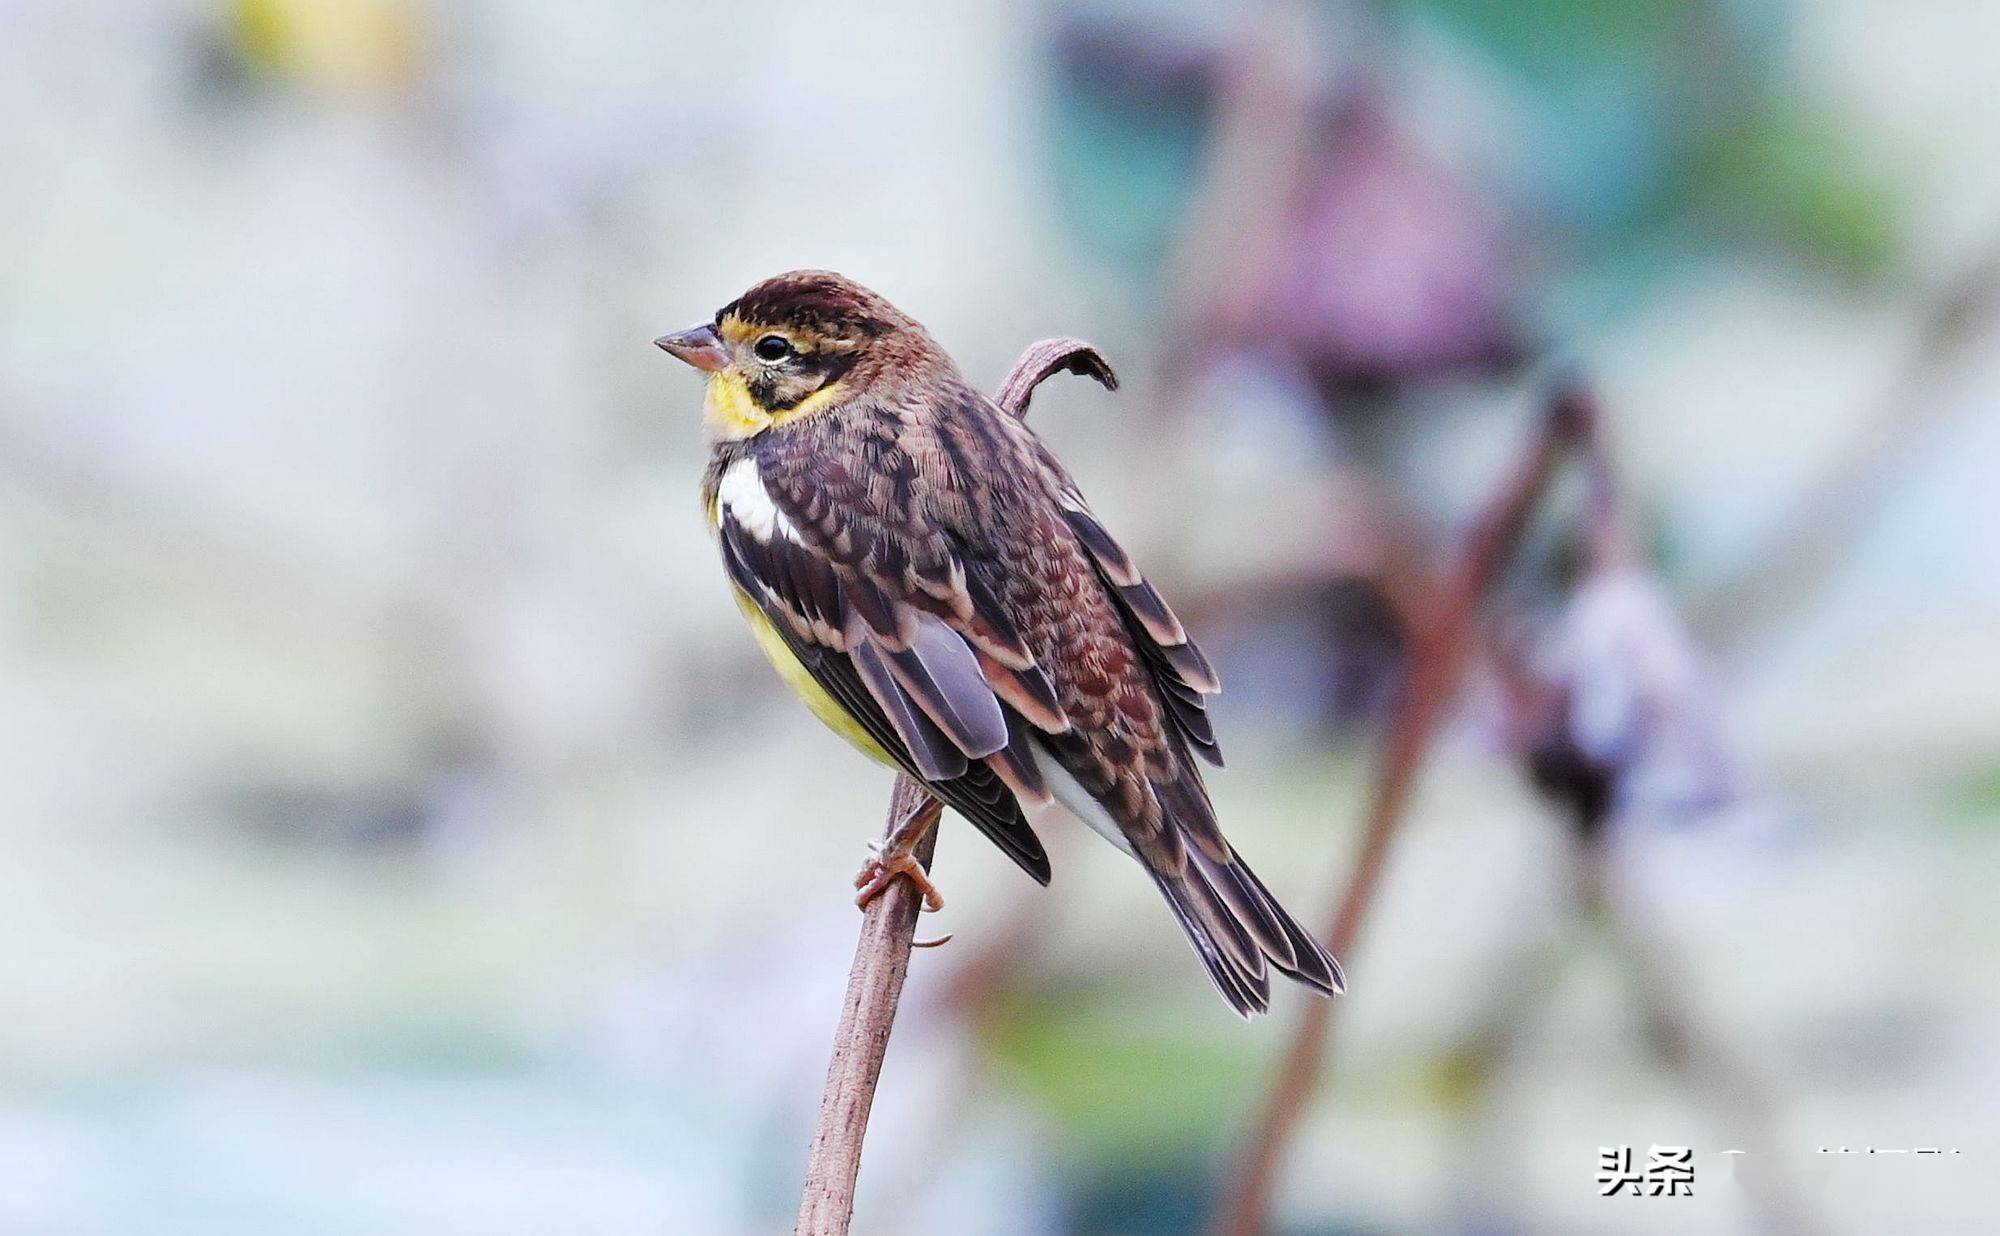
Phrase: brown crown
[816,300]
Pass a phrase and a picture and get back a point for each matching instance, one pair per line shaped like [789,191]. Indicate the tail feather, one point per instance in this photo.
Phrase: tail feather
[1312,964]
[1248,993]
[1227,927]
[1238,930]
[1235,926]
[1253,908]
[1248,907]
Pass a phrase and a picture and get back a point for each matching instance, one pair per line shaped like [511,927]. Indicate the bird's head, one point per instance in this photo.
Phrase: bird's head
[793,345]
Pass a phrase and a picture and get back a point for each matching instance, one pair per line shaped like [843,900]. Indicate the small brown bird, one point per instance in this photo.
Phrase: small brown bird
[926,574]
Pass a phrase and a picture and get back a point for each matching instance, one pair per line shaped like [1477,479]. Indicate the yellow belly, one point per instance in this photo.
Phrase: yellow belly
[800,680]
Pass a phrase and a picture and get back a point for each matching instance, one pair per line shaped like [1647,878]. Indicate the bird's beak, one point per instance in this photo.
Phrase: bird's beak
[698,346]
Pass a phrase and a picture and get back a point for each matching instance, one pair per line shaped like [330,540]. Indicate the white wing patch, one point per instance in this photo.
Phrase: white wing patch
[742,491]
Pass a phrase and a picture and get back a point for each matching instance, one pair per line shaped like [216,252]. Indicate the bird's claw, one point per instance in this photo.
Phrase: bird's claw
[880,871]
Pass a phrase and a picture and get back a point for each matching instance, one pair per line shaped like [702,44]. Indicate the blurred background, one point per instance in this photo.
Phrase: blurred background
[400,833]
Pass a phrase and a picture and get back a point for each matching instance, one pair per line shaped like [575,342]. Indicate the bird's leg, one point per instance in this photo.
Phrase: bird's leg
[894,855]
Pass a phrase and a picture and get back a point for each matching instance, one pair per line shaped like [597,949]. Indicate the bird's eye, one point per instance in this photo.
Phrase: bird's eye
[773,348]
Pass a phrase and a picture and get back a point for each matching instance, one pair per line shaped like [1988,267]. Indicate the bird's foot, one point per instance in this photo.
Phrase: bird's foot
[881,870]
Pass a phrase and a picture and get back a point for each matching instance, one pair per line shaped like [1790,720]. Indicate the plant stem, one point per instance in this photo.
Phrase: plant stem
[867,1014]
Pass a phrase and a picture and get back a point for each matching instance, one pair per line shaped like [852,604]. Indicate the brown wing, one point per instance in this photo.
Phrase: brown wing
[925,703]
[946,508]
[862,495]
[1182,674]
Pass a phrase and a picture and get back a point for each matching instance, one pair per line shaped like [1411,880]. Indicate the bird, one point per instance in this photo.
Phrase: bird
[926,574]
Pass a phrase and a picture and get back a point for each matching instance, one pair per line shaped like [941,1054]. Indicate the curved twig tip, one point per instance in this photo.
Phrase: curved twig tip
[1044,359]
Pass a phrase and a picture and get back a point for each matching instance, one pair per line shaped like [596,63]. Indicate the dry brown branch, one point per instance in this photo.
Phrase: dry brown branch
[1439,652]
[889,921]
[1042,361]
[867,1014]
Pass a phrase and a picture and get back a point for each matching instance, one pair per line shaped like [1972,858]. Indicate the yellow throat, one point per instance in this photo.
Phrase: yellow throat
[732,414]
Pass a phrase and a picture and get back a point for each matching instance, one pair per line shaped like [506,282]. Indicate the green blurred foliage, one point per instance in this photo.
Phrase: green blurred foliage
[1785,174]
[1128,1084]
[1973,796]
